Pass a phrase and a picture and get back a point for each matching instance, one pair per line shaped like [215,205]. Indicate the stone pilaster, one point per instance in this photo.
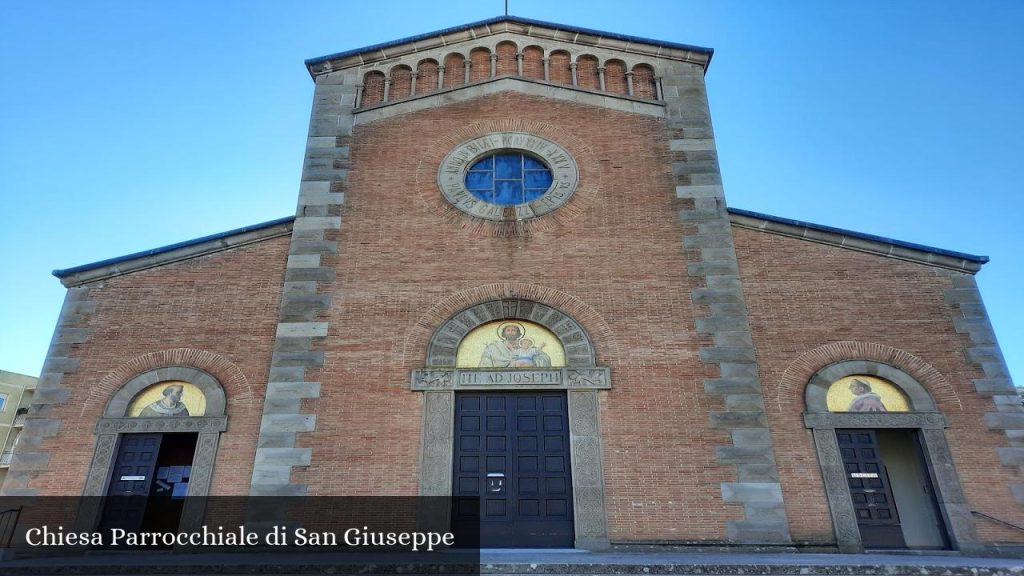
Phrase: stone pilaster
[970,318]
[723,315]
[297,359]
[31,458]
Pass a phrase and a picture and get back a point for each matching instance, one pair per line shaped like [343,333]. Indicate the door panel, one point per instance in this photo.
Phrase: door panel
[870,489]
[511,485]
[131,481]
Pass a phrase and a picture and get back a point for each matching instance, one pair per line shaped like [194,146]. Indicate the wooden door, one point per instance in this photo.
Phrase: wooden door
[512,479]
[870,489]
[131,481]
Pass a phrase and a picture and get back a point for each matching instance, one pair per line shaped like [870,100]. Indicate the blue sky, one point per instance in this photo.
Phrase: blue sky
[126,126]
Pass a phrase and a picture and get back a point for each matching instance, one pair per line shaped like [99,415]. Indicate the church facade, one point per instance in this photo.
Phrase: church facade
[512,279]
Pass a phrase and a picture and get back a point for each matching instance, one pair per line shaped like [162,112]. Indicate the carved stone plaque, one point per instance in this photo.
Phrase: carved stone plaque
[482,379]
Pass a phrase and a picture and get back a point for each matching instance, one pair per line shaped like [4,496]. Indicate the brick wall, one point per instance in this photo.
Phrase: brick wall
[221,307]
[614,250]
[802,295]
[403,249]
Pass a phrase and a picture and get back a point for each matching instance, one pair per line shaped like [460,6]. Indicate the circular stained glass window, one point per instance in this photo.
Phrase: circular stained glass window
[508,178]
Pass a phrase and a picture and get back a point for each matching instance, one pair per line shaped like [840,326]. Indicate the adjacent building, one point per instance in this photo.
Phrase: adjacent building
[16,392]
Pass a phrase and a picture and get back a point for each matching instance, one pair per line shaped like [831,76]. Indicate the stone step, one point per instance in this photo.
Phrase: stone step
[576,565]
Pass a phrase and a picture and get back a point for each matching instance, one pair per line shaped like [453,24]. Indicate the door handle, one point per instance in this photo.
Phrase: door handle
[495,482]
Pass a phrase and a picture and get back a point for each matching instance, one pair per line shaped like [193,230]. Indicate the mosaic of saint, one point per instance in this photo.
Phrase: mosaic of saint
[865,394]
[168,399]
[510,344]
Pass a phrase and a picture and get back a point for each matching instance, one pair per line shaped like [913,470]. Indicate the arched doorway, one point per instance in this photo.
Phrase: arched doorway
[511,420]
[156,442]
[888,472]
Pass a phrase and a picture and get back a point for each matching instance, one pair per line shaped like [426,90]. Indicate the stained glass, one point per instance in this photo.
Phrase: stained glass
[533,164]
[531,195]
[508,192]
[537,179]
[508,166]
[480,180]
[508,178]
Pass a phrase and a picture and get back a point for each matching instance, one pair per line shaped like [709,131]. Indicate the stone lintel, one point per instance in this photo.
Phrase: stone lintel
[926,420]
[596,378]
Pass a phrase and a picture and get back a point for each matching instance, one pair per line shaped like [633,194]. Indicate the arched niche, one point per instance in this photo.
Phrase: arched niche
[581,379]
[211,389]
[922,417]
[444,344]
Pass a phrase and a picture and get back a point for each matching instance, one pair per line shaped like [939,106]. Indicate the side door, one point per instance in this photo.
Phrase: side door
[131,481]
[870,489]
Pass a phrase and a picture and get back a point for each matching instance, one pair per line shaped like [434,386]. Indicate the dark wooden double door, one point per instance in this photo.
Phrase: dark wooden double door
[148,482]
[887,474]
[512,484]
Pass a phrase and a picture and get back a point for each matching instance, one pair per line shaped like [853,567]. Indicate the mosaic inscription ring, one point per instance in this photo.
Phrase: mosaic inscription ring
[483,168]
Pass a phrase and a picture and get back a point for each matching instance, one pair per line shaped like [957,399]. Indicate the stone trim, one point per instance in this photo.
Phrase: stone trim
[115,422]
[579,350]
[451,175]
[186,362]
[439,385]
[497,31]
[532,86]
[518,379]
[833,420]
[855,241]
[971,319]
[162,425]
[589,191]
[816,392]
[421,334]
[721,316]
[117,407]
[203,461]
[924,417]
[30,458]
[955,511]
[306,295]
[876,360]
[587,463]
[174,253]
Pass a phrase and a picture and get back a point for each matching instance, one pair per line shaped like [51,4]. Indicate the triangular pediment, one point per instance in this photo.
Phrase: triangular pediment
[509,53]
[481,32]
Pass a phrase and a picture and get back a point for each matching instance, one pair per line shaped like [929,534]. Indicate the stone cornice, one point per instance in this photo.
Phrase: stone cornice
[174,253]
[532,86]
[520,26]
[858,241]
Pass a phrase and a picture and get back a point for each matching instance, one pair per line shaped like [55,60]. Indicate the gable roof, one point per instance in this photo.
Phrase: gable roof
[575,34]
[849,239]
[880,245]
[174,252]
